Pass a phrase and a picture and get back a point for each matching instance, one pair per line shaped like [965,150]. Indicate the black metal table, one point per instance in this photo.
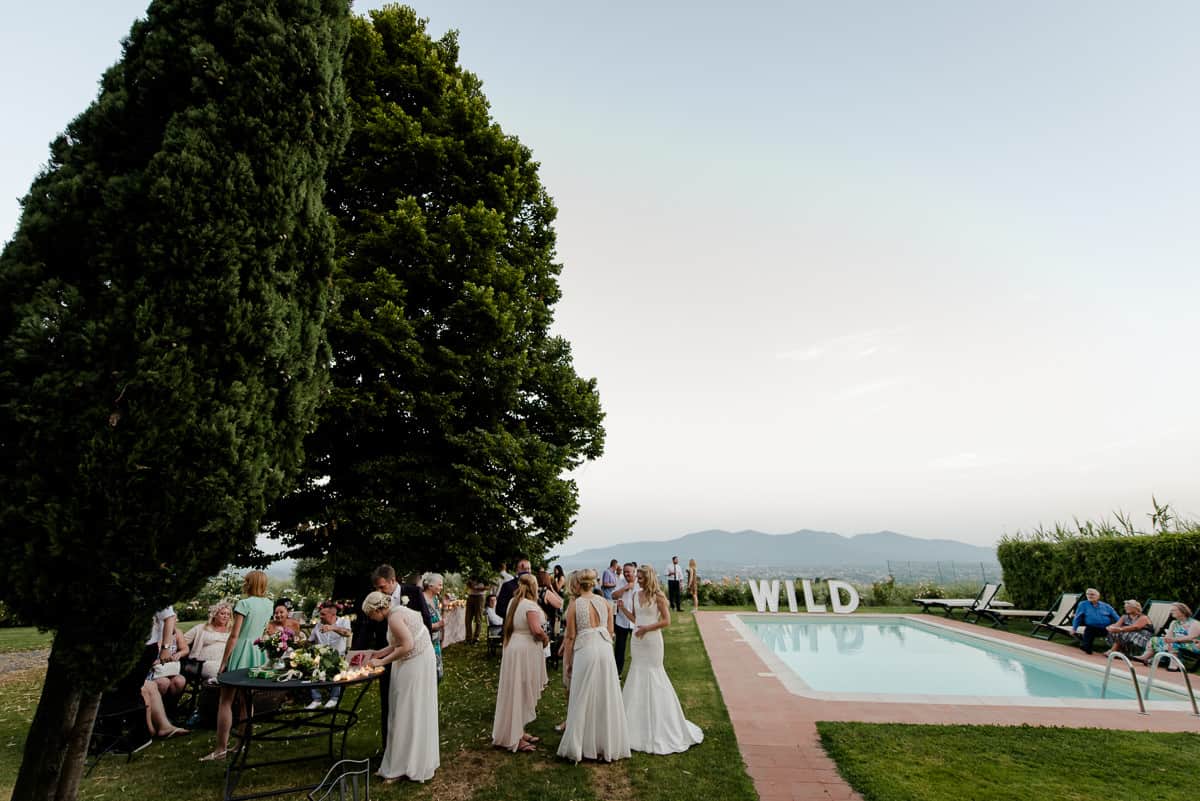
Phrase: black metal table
[287,724]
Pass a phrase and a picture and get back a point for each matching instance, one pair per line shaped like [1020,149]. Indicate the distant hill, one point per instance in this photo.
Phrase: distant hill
[811,549]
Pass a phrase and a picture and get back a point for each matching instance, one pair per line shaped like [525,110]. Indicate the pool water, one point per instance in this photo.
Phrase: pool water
[908,658]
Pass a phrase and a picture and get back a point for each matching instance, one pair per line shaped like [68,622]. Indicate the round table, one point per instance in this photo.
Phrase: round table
[286,724]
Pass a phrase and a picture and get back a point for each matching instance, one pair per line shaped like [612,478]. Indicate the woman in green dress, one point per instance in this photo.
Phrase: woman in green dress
[250,617]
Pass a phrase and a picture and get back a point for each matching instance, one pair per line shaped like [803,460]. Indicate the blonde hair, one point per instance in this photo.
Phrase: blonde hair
[573,582]
[649,583]
[527,589]
[692,564]
[255,583]
[376,602]
[1135,604]
[586,579]
[1187,610]
[217,607]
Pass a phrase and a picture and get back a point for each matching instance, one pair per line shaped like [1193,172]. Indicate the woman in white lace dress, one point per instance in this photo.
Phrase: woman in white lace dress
[596,727]
[656,721]
[412,743]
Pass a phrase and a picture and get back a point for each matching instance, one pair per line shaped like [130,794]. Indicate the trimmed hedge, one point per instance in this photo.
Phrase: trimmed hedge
[1162,566]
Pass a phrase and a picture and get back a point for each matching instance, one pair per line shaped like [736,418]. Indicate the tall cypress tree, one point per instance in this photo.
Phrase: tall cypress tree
[455,416]
[162,344]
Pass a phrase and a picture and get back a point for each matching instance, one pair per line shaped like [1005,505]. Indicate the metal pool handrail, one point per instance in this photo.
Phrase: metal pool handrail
[1137,688]
[1171,659]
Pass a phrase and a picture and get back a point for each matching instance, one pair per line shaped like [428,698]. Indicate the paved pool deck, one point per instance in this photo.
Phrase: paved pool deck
[777,733]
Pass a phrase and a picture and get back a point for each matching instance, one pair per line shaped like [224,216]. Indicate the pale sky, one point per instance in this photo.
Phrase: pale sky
[924,266]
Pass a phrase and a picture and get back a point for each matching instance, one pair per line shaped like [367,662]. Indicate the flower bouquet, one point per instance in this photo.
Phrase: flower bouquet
[314,663]
[276,645]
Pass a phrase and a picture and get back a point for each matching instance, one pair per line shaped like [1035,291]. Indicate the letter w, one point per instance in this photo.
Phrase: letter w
[766,594]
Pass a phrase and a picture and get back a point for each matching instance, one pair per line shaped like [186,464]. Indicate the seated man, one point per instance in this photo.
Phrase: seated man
[495,622]
[335,632]
[1095,616]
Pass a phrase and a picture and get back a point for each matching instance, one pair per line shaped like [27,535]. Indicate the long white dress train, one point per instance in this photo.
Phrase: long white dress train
[413,743]
[596,727]
[656,721]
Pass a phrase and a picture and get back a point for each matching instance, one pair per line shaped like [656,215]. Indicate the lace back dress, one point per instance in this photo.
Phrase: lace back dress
[596,726]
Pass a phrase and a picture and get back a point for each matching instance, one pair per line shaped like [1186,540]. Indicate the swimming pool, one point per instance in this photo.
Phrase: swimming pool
[899,658]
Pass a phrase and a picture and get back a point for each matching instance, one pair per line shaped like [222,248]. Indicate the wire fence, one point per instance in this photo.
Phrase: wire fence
[947,572]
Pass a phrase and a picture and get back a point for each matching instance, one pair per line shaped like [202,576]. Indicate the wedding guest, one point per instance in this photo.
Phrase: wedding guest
[206,642]
[166,671]
[675,584]
[551,602]
[332,631]
[1183,634]
[623,597]
[495,622]
[157,721]
[281,618]
[1095,616]
[250,617]
[476,593]
[412,721]
[510,586]
[431,587]
[573,589]
[693,584]
[608,581]
[504,574]
[596,726]
[1133,631]
[560,581]
[522,669]
[652,709]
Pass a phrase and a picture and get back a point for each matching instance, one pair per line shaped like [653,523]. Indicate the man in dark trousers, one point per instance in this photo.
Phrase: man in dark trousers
[384,580]
[674,583]
[509,587]
[624,596]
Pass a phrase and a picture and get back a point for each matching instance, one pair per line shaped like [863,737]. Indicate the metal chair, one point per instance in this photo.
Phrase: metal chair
[120,728]
[344,782]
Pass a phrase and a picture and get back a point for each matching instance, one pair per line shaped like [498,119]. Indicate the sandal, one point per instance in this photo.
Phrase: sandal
[529,738]
[526,747]
[216,756]
[175,732]
[561,727]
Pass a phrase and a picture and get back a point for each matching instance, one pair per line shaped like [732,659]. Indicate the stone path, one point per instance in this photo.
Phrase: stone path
[777,734]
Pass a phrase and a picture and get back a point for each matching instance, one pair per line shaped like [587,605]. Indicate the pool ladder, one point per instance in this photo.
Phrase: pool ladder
[1158,657]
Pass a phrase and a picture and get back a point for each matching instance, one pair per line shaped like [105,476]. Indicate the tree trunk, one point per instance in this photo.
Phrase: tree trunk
[52,763]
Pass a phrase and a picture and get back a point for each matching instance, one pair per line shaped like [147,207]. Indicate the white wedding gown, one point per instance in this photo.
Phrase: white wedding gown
[656,721]
[596,726]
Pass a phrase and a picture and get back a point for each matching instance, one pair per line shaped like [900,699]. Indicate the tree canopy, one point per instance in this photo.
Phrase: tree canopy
[455,415]
[162,310]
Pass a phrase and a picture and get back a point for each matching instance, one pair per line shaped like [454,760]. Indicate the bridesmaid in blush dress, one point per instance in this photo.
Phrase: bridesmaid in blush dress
[522,668]
[412,743]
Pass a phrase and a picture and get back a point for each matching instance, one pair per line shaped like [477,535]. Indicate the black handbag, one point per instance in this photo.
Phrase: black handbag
[191,668]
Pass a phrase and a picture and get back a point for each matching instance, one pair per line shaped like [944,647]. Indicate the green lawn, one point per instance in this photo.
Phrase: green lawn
[23,639]
[471,769]
[894,762]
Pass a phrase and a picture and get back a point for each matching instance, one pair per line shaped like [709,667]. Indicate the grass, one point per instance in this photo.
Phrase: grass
[25,638]
[471,769]
[894,762]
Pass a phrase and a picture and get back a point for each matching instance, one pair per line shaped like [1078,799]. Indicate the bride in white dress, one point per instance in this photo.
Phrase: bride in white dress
[596,727]
[656,721]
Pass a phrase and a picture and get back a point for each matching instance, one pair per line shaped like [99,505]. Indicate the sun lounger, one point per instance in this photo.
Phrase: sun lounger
[948,605]
[1059,619]
[1061,609]
[987,597]
[1159,613]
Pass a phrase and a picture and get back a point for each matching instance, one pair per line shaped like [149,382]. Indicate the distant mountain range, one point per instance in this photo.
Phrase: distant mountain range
[801,549]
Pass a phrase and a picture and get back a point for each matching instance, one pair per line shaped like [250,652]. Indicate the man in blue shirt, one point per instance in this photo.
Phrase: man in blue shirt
[1095,616]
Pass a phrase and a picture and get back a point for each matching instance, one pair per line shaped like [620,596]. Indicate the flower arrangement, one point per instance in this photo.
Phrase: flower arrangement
[276,645]
[314,663]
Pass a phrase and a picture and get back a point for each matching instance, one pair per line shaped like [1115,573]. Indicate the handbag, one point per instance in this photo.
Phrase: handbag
[165,669]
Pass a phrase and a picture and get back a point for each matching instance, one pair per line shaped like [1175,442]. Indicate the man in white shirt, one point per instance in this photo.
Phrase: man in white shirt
[624,596]
[675,584]
[335,632]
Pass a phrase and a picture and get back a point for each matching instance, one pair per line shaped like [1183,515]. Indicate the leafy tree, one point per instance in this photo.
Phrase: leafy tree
[162,345]
[455,414]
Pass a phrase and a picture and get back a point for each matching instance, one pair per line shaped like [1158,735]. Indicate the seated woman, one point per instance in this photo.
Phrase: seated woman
[495,622]
[282,619]
[1131,633]
[166,673]
[157,721]
[207,641]
[1183,635]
